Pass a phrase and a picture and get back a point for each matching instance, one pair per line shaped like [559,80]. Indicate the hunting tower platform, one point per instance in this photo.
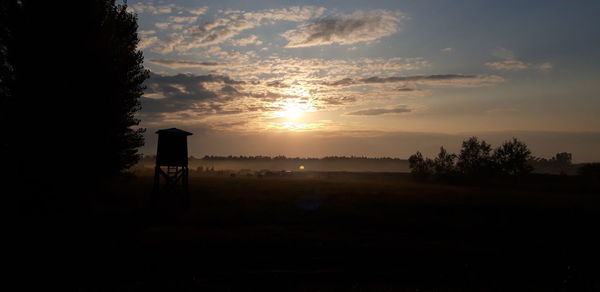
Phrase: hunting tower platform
[171,159]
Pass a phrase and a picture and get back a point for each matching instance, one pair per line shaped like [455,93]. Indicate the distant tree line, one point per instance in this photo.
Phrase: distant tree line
[282,157]
[561,163]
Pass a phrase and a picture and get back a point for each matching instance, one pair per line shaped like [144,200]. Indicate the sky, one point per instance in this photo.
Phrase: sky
[371,78]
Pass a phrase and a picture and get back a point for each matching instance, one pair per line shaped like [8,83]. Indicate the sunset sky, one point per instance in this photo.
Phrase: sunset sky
[372,78]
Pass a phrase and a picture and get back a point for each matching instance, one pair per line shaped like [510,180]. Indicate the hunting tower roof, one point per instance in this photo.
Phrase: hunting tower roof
[173,131]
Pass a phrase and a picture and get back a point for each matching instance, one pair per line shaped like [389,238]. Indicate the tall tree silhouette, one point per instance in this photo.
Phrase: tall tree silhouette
[70,85]
[444,163]
[475,158]
[512,158]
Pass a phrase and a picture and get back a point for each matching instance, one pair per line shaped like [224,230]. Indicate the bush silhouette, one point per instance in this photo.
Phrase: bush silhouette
[444,163]
[476,160]
[421,168]
[511,158]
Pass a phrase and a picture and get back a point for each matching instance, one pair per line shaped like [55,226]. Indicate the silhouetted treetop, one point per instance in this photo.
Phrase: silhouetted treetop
[474,158]
[512,158]
[75,82]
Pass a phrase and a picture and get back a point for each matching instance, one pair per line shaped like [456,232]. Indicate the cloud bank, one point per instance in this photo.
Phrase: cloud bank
[510,63]
[381,111]
[436,79]
[345,29]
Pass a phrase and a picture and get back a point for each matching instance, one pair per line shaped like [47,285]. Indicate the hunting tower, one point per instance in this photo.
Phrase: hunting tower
[171,159]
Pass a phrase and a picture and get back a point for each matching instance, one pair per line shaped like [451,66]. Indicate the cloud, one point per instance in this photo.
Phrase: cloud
[230,25]
[218,31]
[147,42]
[250,40]
[151,8]
[513,65]
[335,100]
[277,83]
[162,25]
[172,64]
[186,98]
[546,66]
[345,29]
[293,14]
[147,38]
[510,63]
[381,111]
[183,19]
[203,94]
[406,89]
[166,94]
[447,50]
[436,79]
[198,11]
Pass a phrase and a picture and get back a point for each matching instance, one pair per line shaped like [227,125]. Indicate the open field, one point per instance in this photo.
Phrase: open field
[346,231]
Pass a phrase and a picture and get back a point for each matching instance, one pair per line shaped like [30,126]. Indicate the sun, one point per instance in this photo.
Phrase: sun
[292,109]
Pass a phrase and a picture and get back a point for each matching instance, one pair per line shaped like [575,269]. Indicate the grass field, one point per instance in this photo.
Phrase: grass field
[346,231]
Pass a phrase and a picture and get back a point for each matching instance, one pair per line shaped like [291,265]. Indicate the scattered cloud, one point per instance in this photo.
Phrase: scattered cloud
[345,29]
[146,42]
[151,8]
[162,25]
[198,11]
[250,40]
[546,66]
[183,19]
[447,50]
[277,83]
[339,100]
[510,63]
[172,64]
[399,109]
[231,24]
[147,38]
[436,79]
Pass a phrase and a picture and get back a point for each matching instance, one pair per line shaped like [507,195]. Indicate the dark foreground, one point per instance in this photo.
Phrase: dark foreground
[323,232]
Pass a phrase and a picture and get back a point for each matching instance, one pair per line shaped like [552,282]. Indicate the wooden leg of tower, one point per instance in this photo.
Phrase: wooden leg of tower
[186,174]
[186,194]
[156,188]
[156,178]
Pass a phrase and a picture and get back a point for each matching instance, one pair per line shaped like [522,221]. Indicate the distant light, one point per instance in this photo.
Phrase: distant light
[301,167]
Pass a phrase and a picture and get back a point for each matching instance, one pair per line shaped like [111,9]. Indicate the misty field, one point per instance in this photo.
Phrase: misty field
[345,231]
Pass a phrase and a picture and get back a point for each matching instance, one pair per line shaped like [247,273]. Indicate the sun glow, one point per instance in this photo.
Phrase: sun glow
[291,112]
[292,109]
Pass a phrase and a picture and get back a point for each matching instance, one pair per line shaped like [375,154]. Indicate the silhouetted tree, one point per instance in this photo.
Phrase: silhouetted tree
[559,163]
[562,161]
[71,82]
[590,171]
[444,163]
[563,158]
[421,167]
[475,158]
[512,157]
